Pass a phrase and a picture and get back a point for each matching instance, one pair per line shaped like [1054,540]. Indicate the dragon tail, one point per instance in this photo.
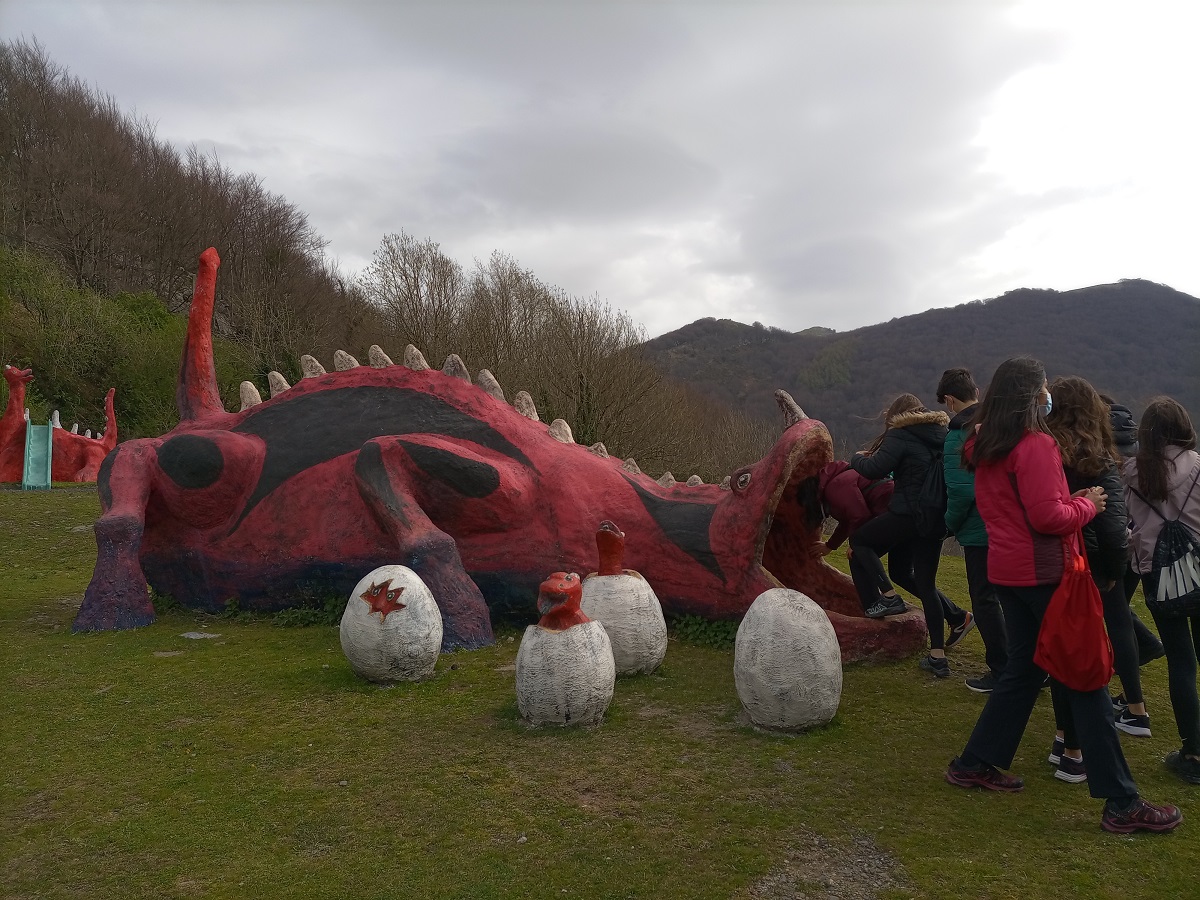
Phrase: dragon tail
[196,394]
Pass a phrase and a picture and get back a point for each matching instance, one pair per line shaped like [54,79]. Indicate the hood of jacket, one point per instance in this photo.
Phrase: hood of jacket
[963,417]
[1124,429]
[926,425]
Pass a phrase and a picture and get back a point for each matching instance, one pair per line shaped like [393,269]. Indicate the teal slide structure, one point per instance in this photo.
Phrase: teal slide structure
[38,454]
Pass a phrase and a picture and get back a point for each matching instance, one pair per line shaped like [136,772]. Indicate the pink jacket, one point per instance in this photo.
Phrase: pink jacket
[851,499]
[1182,467]
[1028,510]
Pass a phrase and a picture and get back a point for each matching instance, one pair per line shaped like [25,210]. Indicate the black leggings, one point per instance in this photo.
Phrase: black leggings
[1181,639]
[1148,644]
[896,536]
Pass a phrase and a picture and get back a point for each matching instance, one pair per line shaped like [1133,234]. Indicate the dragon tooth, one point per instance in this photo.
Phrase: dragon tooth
[792,413]
[600,450]
[343,361]
[561,431]
[249,394]
[486,380]
[277,383]
[414,359]
[379,359]
[666,479]
[725,482]
[695,481]
[630,465]
[75,428]
[310,367]
[454,367]
[523,403]
[54,419]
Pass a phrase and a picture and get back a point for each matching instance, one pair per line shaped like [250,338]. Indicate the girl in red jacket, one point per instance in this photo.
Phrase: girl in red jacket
[1029,512]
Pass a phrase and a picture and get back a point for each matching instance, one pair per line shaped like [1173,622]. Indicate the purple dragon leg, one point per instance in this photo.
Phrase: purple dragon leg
[431,553]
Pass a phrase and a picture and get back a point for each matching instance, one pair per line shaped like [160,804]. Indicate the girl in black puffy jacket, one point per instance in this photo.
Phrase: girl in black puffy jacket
[908,448]
[1079,420]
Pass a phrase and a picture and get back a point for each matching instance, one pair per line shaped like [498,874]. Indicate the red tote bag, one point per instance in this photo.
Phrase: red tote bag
[1073,646]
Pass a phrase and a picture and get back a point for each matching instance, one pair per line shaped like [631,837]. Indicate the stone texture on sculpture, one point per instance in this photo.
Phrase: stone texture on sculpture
[786,663]
[565,669]
[73,456]
[391,630]
[623,602]
[347,471]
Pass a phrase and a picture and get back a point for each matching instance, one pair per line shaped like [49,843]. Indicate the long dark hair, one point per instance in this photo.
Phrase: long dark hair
[1080,422]
[1009,409]
[1164,424]
[902,404]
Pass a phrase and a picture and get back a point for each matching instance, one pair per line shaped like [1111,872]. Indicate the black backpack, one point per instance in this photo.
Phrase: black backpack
[1175,566]
[931,500]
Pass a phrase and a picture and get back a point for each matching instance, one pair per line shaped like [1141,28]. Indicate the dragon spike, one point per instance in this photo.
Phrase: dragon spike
[725,482]
[75,428]
[415,359]
[379,359]
[310,366]
[695,481]
[454,367]
[524,405]
[55,420]
[343,361]
[88,433]
[196,393]
[600,450]
[666,480]
[27,414]
[490,385]
[792,413]
[630,465]
[249,394]
[277,382]
[561,431]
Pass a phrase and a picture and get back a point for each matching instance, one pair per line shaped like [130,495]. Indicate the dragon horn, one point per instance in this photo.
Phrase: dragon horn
[379,359]
[196,394]
[725,482]
[792,413]
[277,383]
[490,385]
[453,366]
[249,394]
[310,366]
[343,361]
[414,359]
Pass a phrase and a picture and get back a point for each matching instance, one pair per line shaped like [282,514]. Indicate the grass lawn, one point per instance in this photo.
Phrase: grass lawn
[255,764]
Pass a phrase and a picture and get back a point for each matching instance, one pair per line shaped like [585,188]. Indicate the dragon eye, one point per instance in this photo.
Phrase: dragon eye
[743,481]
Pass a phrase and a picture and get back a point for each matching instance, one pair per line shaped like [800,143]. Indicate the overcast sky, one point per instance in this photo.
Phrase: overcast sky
[802,163]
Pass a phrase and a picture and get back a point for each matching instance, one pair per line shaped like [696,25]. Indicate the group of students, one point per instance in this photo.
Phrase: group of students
[1022,478]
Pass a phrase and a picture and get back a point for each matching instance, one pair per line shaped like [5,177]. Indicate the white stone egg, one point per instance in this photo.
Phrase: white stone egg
[383,642]
[787,665]
[631,614]
[565,677]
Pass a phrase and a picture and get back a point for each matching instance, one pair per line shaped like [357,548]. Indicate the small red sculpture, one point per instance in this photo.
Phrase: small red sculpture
[75,457]
[558,602]
[610,542]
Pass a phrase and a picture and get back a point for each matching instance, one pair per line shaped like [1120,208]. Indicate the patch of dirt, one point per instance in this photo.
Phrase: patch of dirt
[815,868]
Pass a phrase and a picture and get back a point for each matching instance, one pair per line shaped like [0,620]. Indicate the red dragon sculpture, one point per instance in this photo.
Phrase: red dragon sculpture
[74,457]
[385,463]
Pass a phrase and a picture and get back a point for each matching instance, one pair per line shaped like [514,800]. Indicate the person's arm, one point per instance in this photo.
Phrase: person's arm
[839,535]
[1111,529]
[1040,484]
[884,460]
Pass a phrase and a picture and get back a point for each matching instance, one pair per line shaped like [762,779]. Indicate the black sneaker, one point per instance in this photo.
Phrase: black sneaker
[1056,751]
[1070,770]
[893,606]
[988,777]
[982,684]
[1119,702]
[958,632]
[936,665]
[1186,768]
[1141,816]
[1138,726]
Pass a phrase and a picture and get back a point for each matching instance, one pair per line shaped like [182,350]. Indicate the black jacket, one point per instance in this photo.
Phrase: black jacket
[1106,537]
[911,444]
[1124,428]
